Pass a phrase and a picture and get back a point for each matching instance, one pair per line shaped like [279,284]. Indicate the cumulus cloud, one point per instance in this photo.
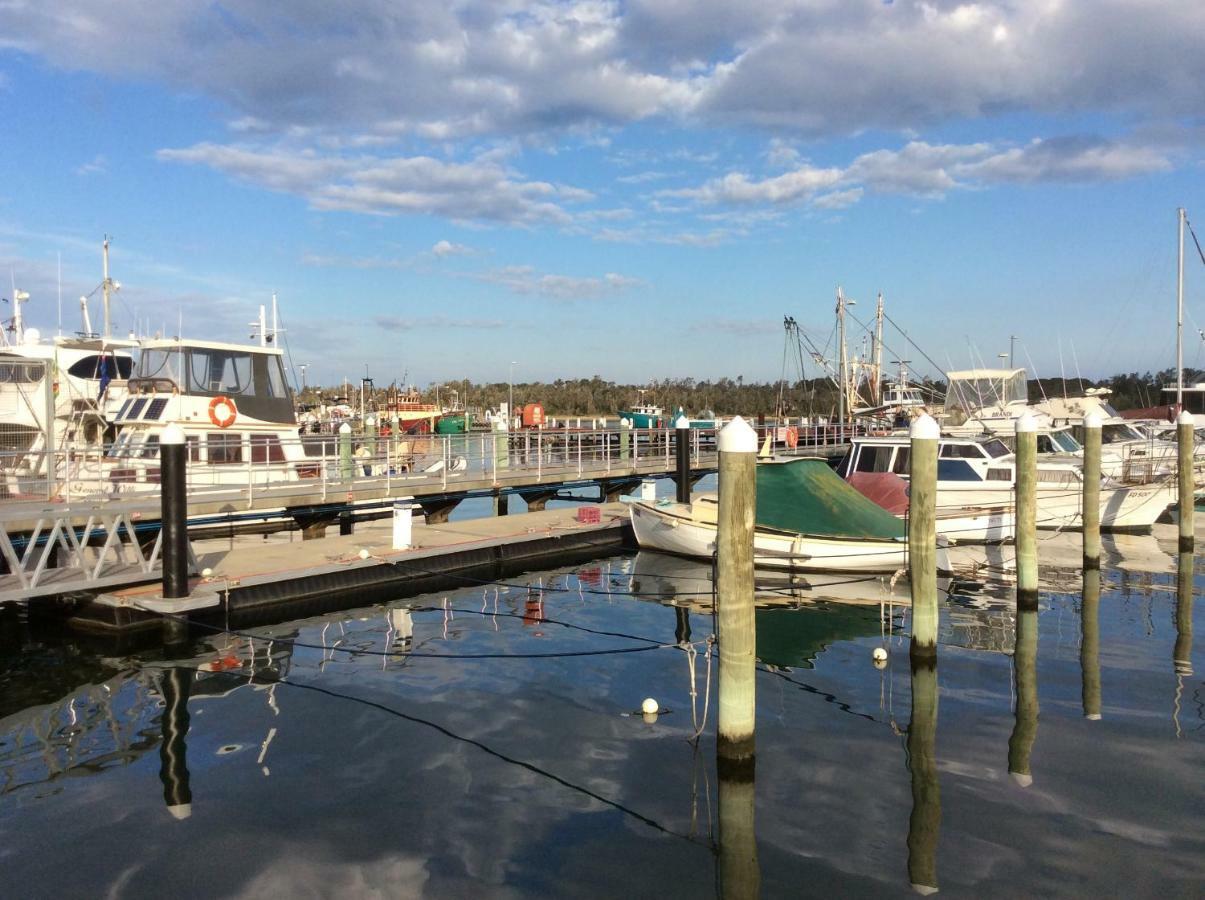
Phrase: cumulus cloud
[478,190]
[526,280]
[448,248]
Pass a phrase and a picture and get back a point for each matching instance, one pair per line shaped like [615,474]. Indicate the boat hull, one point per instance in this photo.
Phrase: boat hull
[1121,508]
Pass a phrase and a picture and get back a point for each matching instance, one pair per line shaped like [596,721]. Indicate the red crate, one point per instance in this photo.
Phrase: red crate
[588,515]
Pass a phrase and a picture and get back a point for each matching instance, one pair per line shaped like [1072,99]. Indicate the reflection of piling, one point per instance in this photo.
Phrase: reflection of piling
[1184,463]
[922,535]
[173,479]
[173,766]
[1089,648]
[682,627]
[1182,654]
[734,591]
[682,436]
[740,874]
[1026,526]
[1025,674]
[924,824]
[1090,511]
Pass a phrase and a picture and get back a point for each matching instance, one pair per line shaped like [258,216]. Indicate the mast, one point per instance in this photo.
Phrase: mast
[876,390]
[275,319]
[1180,313]
[263,326]
[106,284]
[843,365]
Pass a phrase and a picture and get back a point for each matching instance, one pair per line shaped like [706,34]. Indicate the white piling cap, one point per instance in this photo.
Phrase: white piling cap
[1024,779]
[925,890]
[172,434]
[681,422]
[1093,420]
[925,428]
[737,437]
[1026,424]
[1185,418]
[1093,717]
[180,811]
[345,428]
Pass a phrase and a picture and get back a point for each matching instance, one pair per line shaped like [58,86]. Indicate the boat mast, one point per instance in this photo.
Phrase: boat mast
[1180,313]
[876,389]
[106,284]
[844,361]
[275,319]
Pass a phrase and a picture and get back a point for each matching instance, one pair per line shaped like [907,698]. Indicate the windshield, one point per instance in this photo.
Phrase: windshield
[160,363]
[1065,441]
[996,448]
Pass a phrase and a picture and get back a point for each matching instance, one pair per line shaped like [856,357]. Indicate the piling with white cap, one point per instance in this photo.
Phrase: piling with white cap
[625,440]
[1184,435]
[737,446]
[173,497]
[922,534]
[1090,510]
[346,469]
[682,437]
[1026,512]
[403,524]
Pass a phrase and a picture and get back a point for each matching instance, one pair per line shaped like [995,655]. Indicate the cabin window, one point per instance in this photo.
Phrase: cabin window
[1056,476]
[999,474]
[900,467]
[1045,444]
[956,470]
[874,459]
[136,408]
[277,386]
[193,445]
[120,445]
[150,449]
[160,363]
[224,448]
[266,448]
[155,408]
[1065,441]
[102,364]
[18,373]
[960,451]
[995,448]
[218,371]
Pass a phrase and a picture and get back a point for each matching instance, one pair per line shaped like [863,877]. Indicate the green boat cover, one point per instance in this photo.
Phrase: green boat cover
[807,497]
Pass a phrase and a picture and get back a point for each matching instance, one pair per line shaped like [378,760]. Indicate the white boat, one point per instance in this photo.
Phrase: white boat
[845,531]
[980,472]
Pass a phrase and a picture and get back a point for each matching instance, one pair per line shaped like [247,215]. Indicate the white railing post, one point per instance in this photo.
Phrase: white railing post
[447,458]
[540,455]
[579,454]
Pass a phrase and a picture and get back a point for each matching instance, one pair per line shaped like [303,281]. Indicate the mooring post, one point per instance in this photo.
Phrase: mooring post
[1090,511]
[734,593]
[173,487]
[173,764]
[1025,676]
[922,535]
[370,439]
[625,440]
[1089,646]
[682,437]
[346,469]
[924,824]
[1026,512]
[1184,465]
[403,524]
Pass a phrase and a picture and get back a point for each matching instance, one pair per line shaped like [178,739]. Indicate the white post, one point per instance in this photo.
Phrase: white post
[1184,459]
[403,524]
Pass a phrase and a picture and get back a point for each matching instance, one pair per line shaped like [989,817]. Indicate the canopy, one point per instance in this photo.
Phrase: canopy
[808,497]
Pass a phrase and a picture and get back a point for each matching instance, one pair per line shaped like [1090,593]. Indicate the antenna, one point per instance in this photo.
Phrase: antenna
[60,270]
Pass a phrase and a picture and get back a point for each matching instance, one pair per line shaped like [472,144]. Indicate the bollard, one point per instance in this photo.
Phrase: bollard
[1026,505]
[1089,647]
[1182,651]
[173,766]
[922,535]
[1090,510]
[648,489]
[924,823]
[739,870]
[173,496]
[1184,467]
[346,470]
[625,440]
[403,524]
[682,437]
[734,593]
[1025,675]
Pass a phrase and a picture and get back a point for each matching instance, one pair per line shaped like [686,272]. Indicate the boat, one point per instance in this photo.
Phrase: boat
[807,519]
[407,412]
[971,524]
[645,415]
[980,472]
[705,419]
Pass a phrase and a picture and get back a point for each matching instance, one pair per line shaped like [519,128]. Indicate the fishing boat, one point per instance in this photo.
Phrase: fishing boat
[980,472]
[807,519]
[644,415]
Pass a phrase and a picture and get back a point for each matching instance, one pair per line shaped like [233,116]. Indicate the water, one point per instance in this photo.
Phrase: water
[305,770]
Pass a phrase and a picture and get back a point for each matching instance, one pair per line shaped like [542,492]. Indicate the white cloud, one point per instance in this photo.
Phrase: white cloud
[526,280]
[96,166]
[448,248]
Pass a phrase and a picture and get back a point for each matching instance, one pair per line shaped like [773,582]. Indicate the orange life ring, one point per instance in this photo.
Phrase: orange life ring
[227,420]
[792,436]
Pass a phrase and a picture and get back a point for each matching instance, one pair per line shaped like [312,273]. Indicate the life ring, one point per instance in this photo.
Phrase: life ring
[792,436]
[227,420]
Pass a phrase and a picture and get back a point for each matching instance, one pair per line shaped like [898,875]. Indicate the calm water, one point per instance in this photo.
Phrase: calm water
[283,765]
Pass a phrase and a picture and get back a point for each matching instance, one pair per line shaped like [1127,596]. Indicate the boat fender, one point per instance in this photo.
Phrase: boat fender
[792,437]
[226,417]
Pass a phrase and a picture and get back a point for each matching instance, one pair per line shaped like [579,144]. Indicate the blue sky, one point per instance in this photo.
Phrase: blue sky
[636,190]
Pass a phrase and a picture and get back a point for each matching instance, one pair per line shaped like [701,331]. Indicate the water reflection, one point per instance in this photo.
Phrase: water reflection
[740,874]
[1089,648]
[924,823]
[1025,675]
[1182,652]
[173,765]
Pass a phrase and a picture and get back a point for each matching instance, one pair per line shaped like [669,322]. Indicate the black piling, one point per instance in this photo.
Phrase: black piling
[174,512]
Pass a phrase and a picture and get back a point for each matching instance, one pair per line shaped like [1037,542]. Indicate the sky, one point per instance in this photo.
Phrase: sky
[638,190]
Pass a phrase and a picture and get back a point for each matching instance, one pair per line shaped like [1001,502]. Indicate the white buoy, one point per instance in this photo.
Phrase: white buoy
[364,554]
[207,573]
[650,707]
[880,654]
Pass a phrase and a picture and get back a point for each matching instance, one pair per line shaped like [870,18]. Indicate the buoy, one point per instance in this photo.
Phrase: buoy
[364,554]
[206,572]
[880,654]
[650,707]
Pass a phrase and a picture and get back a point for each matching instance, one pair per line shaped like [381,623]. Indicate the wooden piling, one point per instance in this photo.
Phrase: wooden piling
[173,494]
[1184,437]
[1026,515]
[924,823]
[346,466]
[1025,675]
[734,593]
[625,440]
[1089,647]
[1090,510]
[922,535]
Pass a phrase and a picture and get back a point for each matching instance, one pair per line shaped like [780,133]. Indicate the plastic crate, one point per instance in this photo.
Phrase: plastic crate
[588,515]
